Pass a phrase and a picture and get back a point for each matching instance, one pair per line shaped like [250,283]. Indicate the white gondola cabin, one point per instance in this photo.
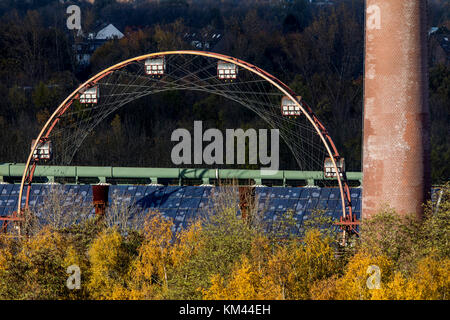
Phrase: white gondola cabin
[155,66]
[43,150]
[226,70]
[90,95]
[328,168]
[290,108]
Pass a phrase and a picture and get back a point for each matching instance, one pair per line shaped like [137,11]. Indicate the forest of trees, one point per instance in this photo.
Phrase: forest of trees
[317,50]
[223,256]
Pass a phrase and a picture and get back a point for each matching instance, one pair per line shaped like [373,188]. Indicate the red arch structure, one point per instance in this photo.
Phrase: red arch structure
[347,222]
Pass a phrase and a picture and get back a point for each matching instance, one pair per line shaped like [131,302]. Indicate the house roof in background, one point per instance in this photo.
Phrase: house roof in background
[109,32]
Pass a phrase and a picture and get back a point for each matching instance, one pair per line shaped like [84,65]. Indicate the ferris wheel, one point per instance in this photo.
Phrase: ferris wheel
[206,72]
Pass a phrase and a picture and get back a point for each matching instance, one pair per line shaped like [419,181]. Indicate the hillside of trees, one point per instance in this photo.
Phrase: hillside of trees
[317,50]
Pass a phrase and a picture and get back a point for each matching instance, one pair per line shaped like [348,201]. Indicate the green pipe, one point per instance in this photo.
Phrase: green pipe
[16,170]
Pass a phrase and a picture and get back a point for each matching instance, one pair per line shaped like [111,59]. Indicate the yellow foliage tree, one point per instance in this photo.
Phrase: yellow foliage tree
[246,283]
[432,278]
[285,272]
[150,271]
[353,284]
[189,243]
[109,263]
[324,289]
[396,289]
[34,268]
[298,266]
[430,281]
[280,269]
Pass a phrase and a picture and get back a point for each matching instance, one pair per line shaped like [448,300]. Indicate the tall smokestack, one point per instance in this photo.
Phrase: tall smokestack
[396,150]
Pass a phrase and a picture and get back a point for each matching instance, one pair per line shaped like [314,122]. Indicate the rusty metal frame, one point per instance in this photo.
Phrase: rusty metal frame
[283,88]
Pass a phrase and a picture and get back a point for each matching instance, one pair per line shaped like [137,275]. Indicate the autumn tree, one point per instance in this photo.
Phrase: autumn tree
[34,268]
[150,270]
[109,264]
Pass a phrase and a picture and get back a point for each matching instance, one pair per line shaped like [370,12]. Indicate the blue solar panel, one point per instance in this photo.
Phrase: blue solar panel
[334,193]
[262,192]
[115,191]
[140,192]
[45,190]
[35,189]
[262,204]
[150,190]
[4,201]
[84,191]
[322,204]
[194,192]
[128,200]
[284,204]
[221,190]
[190,203]
[329,213]
[72,190]
[315,192]
[355,192]
[148,202]
[173,191]
[130,190]
[205,203]
[181,217]
[170,202]
[337,214]
[182,202]
[312,203]
[168,213]
[76,198]
[268,215]
[155,191]
[174,195]
[270,204]
[279,205]
[298,213]
[207,191]
[358,205]
[12,201]
[33,202]
[325,193]
[332,204]
[293,193]
[292,204]
[6,189]
[182,213]
[75,188]
[15,190]
[8,211]
[186,216]
[301,204]
[277,192]
[306,193]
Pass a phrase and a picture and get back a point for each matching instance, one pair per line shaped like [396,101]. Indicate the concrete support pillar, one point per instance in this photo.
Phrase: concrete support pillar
[396,147]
